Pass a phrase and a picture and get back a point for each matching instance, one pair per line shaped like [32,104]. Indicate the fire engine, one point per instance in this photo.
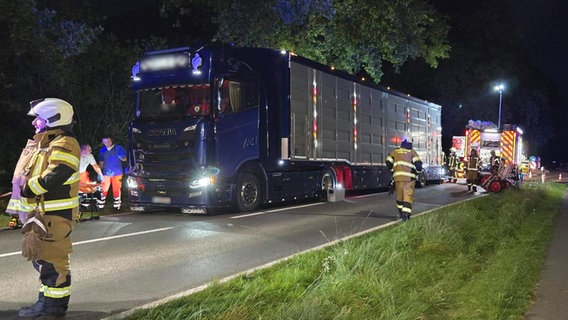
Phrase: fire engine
[486,137]
[507,144]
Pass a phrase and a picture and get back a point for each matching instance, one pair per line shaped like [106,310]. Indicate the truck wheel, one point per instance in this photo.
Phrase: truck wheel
[421,180]
[248,192]
[327,183]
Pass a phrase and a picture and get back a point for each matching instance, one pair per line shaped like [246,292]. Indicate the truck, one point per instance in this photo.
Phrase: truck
[484,136]
[228,127]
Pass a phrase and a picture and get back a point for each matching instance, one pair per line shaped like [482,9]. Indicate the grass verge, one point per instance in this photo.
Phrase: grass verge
[479,259]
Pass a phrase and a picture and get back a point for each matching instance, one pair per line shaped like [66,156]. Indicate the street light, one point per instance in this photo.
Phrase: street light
[500,87]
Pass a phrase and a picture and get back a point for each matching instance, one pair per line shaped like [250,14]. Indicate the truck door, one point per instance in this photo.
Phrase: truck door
[237,123]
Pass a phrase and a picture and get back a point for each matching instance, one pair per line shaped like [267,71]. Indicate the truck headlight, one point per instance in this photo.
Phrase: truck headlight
[206,179]
[131,183]
[201,182]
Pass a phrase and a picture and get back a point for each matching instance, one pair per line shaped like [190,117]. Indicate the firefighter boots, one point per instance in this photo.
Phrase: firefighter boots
[38,310]
[31,311]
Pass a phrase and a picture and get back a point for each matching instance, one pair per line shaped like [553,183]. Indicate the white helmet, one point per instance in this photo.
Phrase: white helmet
[55,111]
[407,138]
[453,150]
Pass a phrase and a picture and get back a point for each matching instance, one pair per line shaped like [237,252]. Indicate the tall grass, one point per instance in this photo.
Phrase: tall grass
[478,259]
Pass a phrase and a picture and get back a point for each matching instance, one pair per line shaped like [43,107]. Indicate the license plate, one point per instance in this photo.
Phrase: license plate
[162,200]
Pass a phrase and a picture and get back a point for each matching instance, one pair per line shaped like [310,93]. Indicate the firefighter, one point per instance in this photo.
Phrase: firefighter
[494,162]
[405,164]
[453,165]
[50,183]
[472,163]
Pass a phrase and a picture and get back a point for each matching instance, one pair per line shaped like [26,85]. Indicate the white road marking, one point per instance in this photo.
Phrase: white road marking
[276,210]
[99,239]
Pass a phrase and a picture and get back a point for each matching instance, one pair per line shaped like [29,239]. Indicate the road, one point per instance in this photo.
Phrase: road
[125,261]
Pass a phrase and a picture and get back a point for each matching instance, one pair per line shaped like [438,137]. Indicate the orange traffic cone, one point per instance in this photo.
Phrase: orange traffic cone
[530,174]
[560,176]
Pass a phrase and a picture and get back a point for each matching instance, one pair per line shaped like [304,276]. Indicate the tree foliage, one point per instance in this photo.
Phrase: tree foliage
[352,35]
[47,53]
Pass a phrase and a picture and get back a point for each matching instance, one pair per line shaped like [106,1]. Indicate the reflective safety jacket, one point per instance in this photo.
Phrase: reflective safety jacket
[472,163]
[453,162]
[53,172]
[405,164]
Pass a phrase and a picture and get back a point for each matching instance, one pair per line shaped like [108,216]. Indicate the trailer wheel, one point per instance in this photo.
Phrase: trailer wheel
[327,183]
[421,180]
[495,186]
[248,192]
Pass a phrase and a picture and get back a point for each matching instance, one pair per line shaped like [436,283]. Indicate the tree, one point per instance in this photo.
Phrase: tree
[324,30]
[37,44]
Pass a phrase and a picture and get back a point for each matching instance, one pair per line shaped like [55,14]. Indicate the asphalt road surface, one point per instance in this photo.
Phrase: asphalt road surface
[122,262]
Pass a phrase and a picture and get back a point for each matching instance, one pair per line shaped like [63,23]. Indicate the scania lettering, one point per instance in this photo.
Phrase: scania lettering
[244,127]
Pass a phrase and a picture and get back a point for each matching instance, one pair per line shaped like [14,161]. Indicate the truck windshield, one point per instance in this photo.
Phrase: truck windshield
[190,101]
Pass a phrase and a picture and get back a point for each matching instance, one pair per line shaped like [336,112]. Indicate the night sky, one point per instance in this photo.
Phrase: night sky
[544,24]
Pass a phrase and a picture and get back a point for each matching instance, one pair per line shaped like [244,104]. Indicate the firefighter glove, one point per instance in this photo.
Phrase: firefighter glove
[34,230]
